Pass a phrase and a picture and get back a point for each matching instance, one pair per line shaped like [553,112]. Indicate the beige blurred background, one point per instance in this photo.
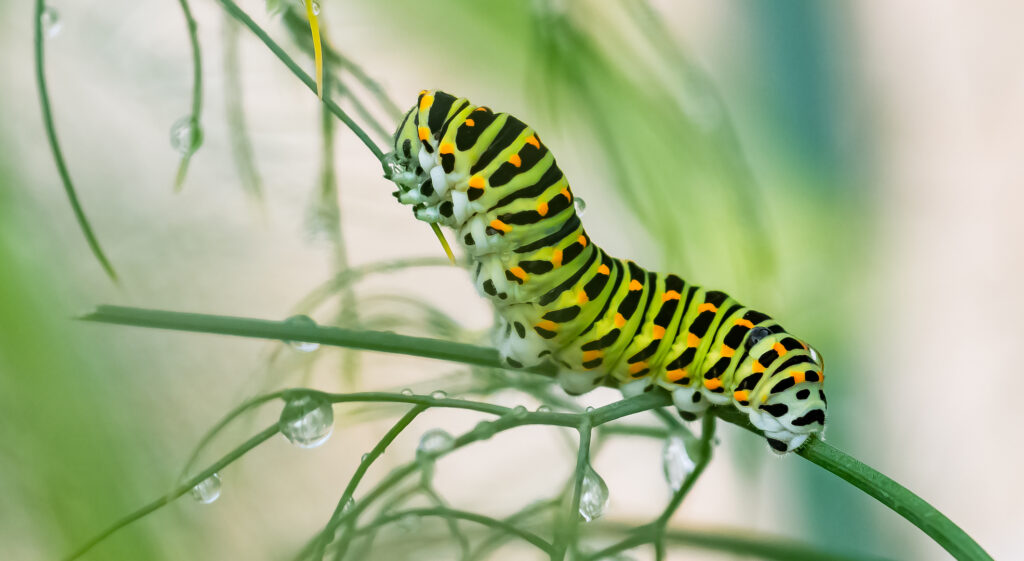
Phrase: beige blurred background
[884,140]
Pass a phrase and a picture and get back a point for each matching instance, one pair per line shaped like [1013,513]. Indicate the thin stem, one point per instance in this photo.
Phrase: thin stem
[217,428]
[885,490]
[234,106]
[306,79]
[566,533]
[197,95]
[164,500]
[364,465]
[58,155]
[494,523]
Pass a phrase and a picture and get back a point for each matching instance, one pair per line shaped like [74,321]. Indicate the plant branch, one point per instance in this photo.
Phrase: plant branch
[885,490]
[165,500]
[58,155]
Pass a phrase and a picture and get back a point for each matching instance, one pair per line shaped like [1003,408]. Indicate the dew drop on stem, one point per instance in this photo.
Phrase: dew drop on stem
[186,135]
[50,20]
[307,421]
[207,490]
[593,495]
[433,443]
[302,321]
[676,462]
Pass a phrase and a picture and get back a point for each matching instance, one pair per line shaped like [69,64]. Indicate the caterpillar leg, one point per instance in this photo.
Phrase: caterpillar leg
[690,402]
[578,383]
[518,346]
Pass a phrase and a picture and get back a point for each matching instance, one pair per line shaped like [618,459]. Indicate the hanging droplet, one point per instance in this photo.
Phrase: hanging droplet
[593,495]
[676,462]
[316,7]
[302,321]
[307,421]
[543,409]
[50,21]
[438,394]
[580,204]
[519,411]
[406,392]
[186,135]
[408,523]
[207,490]
[433,443]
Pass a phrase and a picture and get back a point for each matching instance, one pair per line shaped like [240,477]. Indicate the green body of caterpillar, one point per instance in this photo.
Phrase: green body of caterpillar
[561,298]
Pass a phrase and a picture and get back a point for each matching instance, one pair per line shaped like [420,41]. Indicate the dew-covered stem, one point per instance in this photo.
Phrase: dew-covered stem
[885,490]
[566,528]
[197,94]
[164,500]
[58,154]
[707,436]
[364,465]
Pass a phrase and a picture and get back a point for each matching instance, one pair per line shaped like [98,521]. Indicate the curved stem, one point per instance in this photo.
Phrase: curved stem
[462,515]
[58,155]
[197,94]
[179,491]
[891,494]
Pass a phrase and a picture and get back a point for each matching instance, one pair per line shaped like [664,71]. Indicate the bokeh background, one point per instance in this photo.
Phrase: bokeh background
[853,169]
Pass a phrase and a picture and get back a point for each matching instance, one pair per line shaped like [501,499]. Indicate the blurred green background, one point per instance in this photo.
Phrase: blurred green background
[849,169]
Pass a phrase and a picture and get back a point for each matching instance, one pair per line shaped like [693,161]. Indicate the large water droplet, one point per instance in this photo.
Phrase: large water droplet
[580,204]
[302,321]
[50,20]
[316,7]
[593,495]
[207,490]
[676,462]
[519,411]
[433,443]
[186,135]
[307,421]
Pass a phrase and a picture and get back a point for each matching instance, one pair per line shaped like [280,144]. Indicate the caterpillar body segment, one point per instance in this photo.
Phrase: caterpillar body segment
[561,298]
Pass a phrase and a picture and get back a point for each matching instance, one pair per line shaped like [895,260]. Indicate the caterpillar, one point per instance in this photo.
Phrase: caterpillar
[561,298]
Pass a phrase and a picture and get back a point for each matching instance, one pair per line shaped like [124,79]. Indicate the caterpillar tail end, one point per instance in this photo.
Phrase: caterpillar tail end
[314,30]
[444,242]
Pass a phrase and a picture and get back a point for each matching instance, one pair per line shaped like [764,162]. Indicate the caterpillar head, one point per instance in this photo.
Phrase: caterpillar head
[788,403]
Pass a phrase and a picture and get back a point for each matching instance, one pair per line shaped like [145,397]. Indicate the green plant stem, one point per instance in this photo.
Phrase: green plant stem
[237,13]
[885,490]
[569,522]
[197,92]
[364,465]
[164,500]
[234,108]
[58,155]
[462,515]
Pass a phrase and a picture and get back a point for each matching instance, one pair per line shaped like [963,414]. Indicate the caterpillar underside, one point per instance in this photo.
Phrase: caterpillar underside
[561,298]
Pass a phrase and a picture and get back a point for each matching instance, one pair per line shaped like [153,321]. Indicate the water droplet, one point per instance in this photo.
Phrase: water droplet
[50,20]
[589,409]
[207,490]
[676,462]
[580,204]
[519,411]
[408,523]
[438,394]
[274,7]
[349,504]
[364,457]
[407,391]
[543,409]
[307,421]
[302,321]
[186,135]
[593,495]
[485,429]
[433,443]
